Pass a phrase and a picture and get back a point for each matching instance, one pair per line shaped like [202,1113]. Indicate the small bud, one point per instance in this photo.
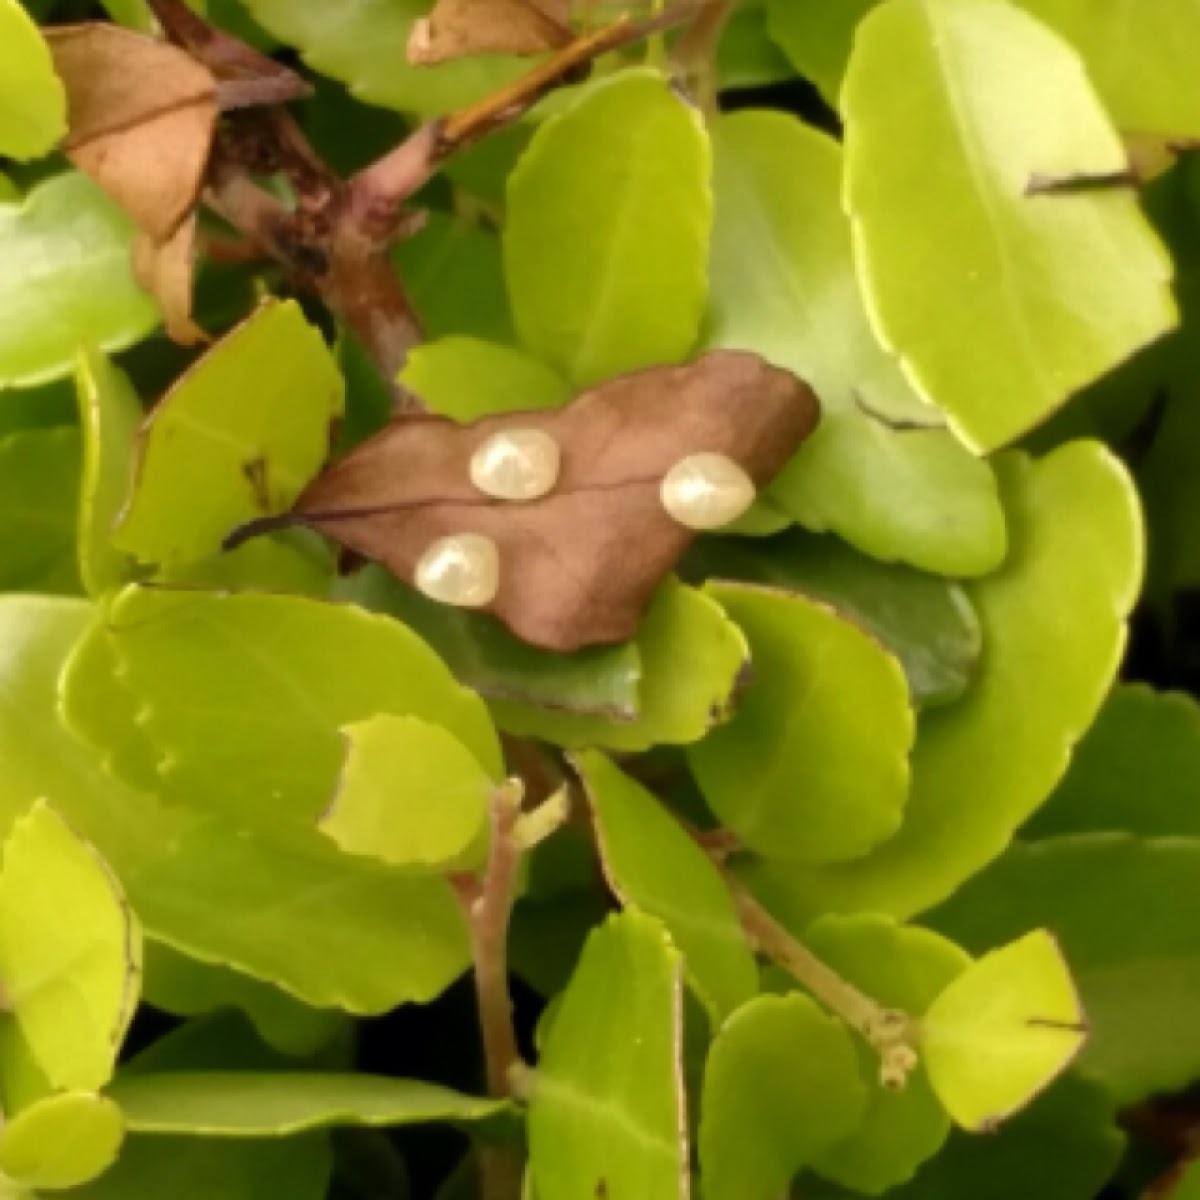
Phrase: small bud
[517,464]
[463,570]
[706,491]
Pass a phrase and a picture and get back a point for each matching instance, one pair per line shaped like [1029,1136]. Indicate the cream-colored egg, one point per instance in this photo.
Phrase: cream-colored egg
[462,570]
[516,464]
[707,491]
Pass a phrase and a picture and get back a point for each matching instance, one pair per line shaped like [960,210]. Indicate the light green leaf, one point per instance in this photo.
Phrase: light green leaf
[597,680]
[1136,56]
[972,282]
[654,866]
[1053,623]
[8,190]
[816,35]
[66,280]
[814,765]
[70,951]
[781,1086]
[607,1111]
[39,507]
[1064,1146]
[783,285]
[609,211]
[33,104]
[362,43]
[905,968]
[692,660]
[410,794]
[332,930]
[61,1141]
[746,55]
[466,379]
[297,562]
[1121,907]
[1137,770]
[237,437]
[453,257]
[252,1104]
[182,986]
[109,414]
[1006,1027]
[926,622]
[244,694]
[186,1168]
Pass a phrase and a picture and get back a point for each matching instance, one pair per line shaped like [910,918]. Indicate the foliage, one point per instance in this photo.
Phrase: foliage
[841,850]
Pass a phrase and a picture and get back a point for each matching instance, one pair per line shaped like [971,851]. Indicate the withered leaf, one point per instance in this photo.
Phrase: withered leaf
[578,566]
[462,28]
[141,115]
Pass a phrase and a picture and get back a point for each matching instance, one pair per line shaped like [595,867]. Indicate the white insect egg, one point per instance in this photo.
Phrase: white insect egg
[706,491]
[517,464]
[462,570]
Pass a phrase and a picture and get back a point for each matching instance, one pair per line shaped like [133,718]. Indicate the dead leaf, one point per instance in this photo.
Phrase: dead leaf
[578,566]
[463,28]
[141,117]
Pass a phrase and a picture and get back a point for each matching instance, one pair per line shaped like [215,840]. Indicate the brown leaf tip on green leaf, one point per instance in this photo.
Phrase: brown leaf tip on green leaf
[462,28]
[577,566]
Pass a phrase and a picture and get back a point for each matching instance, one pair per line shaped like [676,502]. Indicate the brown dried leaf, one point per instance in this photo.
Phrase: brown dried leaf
[462,28]
[141,115]
[165,270]
[580,565]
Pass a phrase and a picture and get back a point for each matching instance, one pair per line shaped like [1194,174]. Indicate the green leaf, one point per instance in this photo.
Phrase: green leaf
[1141,66]
[109,414]
[1002,1030]
[66,280]
[816,35]
[1189,1184]
[926,622]
[8,190]
[186,1168]
[781,1086]
[597,680]
[39,506]
[1137,770]
[236,438]
[1121,908]
[410,794]
[294,561]
[41,758]
[33,104]
[999,101]
[452,257]
[61,1141]
[814,765]
[606,1116]
[244,694]
[466,379]
[182,986]
[654,866]
[1064,1146]
[609,212]
[906,968]
[70,951]
[746,55]
[333,930]
[692,660]
[251,1104]
[1053,623]
[362,43]
[783,285]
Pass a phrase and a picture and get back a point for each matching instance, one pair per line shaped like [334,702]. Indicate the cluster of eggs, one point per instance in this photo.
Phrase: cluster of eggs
[702,491]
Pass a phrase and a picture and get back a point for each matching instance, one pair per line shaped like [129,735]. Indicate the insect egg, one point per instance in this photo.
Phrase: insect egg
[706,491]
[462,570]
[516,464]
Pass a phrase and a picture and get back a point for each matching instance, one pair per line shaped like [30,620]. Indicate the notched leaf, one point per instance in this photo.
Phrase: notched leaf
[462,28]
[578,566]
[141,116]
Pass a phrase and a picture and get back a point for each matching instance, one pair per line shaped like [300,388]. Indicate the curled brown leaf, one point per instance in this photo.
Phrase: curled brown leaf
[462,28]
[578,566]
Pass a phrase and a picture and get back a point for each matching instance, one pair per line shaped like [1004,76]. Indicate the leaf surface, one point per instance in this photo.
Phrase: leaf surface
[61,1141]
[971,281]
[33,106]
